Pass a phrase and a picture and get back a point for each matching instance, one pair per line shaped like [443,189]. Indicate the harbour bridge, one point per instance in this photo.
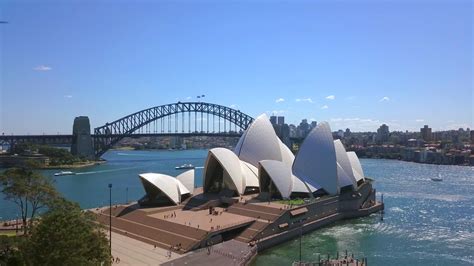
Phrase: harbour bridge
[176,119]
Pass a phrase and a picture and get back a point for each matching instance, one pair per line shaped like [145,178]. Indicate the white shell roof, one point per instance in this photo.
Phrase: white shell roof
[259,142]
[343,178]
[187,179]
[242,174]
[286,155]
[281,176]
[169,185]
[315,162]
[231,164]
[356,166]
[344,171]
[251,174]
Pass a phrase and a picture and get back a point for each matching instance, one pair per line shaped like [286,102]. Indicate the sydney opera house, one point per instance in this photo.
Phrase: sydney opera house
[258,195]
[261,164]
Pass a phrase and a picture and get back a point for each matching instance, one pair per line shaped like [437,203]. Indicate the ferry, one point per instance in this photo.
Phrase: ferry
[185,166]
[64,173]
[436,179]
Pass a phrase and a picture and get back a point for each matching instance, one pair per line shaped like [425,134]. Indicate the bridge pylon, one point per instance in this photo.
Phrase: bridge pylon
[81,138]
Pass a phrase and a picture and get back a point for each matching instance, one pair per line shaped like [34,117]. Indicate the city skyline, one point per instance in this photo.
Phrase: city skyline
[355,65]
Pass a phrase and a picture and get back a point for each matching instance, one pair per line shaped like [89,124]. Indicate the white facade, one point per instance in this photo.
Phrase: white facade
[279,174]
[356,166]
[259,142]
[316,162]
[168,185]
[236,174]
[187,179]
[344,169]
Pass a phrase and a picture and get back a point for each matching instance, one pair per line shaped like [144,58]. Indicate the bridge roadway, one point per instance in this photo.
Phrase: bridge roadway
[67,139]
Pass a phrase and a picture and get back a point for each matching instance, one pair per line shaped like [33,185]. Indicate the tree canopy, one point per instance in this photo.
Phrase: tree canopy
[66,235]
[29,190]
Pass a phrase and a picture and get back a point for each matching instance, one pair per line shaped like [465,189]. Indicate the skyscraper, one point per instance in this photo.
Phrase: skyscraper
[426,134]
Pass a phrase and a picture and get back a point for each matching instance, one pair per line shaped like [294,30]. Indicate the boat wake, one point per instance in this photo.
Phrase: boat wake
[105,171]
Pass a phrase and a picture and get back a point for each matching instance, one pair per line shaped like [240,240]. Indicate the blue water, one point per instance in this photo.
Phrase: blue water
[89,187]
[425,223]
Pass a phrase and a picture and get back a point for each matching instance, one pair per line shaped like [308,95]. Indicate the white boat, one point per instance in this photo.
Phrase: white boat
[185,166]
[64,173]
[437,178]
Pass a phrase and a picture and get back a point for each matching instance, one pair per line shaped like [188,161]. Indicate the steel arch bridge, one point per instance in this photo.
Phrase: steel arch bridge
[145,121]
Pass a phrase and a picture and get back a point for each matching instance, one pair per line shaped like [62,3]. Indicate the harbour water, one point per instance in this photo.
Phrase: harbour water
[425,222]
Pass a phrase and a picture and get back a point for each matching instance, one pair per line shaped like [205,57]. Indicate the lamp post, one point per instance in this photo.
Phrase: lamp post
[110,218]
[126,196]
[301,235]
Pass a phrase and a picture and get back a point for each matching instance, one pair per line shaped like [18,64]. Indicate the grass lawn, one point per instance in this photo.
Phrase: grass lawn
[7,233]
[292,202]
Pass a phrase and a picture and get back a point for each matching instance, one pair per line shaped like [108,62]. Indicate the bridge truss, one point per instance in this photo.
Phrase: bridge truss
[181,118]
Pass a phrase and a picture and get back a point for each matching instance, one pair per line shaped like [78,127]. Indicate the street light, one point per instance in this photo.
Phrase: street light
[126,196]
[110,218]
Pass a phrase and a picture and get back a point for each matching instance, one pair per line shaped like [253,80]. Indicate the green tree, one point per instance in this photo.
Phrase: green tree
[9,250]
[66,235]
[29,190]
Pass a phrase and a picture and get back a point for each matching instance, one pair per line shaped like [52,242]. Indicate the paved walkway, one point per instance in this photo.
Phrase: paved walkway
[227,253]
[134,252]
[202,219]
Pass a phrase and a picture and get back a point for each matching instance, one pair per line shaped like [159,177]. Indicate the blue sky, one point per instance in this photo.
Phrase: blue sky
[355,64]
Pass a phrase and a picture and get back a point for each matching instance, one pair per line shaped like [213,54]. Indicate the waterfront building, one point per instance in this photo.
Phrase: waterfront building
[243,201]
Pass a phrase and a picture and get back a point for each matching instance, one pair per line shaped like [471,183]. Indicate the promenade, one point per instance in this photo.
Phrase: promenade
[130,251]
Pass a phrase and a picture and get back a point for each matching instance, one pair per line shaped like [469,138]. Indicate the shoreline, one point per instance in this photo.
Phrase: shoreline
[395,159]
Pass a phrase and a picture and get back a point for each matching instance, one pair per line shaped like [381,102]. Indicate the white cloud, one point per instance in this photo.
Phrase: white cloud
[331,97]
[324,107]
[188,98]
[305,100]
[234,106]
[419,120]
[68,96]
[276,112]
[279,100]
[384,99]
[42,68]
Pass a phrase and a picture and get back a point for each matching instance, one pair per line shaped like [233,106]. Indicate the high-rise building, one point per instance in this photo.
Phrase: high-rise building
[347,134]
[382,133]
[426,134]
[281,120]
[273,120]
[303,128]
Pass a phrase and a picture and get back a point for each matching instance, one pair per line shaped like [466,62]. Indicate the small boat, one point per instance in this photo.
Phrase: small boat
[185,166]
[437,179]
[64,173]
